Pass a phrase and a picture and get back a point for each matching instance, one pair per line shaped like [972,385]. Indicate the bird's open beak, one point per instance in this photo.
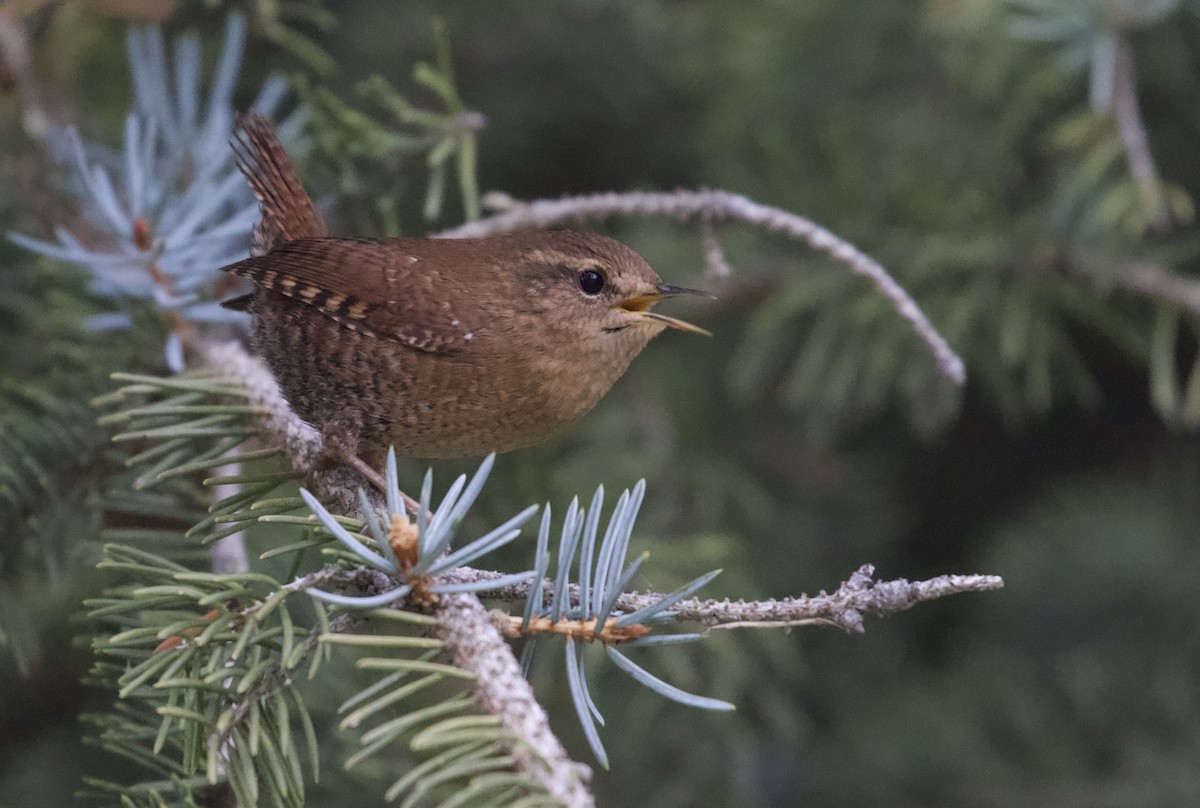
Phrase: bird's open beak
[641,305]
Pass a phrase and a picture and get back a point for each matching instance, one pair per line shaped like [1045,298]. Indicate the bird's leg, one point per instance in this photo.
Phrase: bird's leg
[341,444]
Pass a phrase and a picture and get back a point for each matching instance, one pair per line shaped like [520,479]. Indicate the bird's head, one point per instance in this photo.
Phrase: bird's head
[598,288]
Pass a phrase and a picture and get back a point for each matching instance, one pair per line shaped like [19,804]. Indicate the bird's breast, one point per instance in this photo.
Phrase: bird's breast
[493,394]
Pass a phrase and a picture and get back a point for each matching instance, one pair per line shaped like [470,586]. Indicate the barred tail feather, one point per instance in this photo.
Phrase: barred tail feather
[287,210]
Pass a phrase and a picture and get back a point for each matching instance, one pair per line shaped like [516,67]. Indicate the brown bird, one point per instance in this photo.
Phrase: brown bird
[438,347]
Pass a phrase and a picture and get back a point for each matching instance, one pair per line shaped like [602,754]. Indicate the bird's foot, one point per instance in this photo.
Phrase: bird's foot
[341,444]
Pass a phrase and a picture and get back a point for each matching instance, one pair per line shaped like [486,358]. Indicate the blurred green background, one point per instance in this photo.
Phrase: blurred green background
[970,146]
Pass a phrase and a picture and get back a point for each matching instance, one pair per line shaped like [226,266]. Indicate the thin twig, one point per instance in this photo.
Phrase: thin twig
[229,555]
[1158,282]
[716,267]
[716,205]
[859,596]
[1133,137]
[279,677]
[44,110]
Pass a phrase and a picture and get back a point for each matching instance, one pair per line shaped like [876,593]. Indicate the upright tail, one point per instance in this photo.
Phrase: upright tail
[287,210]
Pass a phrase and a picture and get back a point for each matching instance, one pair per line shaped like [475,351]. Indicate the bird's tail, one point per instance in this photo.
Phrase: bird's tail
[287,210]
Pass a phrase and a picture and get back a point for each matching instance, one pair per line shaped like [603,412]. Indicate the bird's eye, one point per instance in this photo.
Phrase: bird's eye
[591,281]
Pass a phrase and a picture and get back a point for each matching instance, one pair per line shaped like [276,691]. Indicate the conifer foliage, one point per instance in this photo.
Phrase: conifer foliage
[261,630]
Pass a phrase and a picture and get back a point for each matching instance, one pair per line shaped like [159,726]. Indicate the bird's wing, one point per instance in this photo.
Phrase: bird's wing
[374,286]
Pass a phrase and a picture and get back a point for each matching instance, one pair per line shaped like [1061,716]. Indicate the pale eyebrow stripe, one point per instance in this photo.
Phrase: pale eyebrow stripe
[556,258]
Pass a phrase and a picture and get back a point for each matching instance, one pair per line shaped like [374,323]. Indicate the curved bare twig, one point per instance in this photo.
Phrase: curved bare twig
[716,205]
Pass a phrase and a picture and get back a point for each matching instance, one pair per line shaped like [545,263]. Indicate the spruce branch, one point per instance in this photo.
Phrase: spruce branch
[162,242]
[1099,35]
[159,214]
[204,665]
[713,206]
[461,620]
[277,679]
[477,638]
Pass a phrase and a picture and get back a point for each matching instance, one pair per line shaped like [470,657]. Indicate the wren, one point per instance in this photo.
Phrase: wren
[438,347]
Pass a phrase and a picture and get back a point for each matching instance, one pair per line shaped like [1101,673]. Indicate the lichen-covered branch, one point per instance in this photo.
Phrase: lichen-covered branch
[502,689]
[713,206]
[861,595]
[300,443]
